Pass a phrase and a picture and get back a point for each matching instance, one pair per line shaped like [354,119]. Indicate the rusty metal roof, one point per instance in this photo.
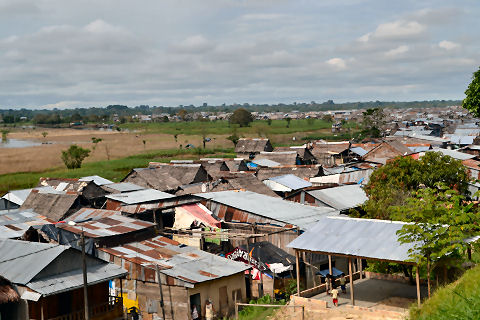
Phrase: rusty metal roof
[14,223]
[105,223]
[276,209]
[176,260]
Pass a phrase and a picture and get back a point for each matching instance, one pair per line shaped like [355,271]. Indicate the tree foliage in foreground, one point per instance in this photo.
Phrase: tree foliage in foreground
[393,183]
[442,220]
[472,100]
[74,156]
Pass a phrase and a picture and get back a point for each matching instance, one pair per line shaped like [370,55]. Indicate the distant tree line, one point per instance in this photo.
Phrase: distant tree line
[97,114]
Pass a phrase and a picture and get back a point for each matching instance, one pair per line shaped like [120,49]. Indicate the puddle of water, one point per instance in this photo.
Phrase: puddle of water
[16,143]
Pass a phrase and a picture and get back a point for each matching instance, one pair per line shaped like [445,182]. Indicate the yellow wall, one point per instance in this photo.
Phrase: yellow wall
[210,289]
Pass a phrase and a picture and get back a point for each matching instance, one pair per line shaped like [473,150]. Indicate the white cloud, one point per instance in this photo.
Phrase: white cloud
[192,44]
[399,29]
[397,51]
[365,37]
[100,26]
[448,45]
[337,63]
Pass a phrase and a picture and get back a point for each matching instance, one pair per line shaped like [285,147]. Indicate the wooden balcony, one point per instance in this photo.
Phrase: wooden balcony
[112,310]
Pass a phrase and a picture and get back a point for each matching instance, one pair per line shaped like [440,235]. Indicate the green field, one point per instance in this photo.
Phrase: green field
[458,300]
[113,170]
[223,127]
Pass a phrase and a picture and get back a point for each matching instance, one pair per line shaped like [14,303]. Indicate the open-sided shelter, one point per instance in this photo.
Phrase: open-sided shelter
[354,238]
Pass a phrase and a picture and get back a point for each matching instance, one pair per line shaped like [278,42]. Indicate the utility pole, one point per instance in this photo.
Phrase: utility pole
[85,289]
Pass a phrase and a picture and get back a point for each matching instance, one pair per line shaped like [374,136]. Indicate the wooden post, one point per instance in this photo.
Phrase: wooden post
[161,291]
[469,253]
[236,305]
[418,284]
[352,298]
[297,258]
[330,271]
[360,268]
[121,288]
[42,317]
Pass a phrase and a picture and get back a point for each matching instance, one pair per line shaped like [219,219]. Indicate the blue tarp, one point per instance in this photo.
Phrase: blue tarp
[325,272]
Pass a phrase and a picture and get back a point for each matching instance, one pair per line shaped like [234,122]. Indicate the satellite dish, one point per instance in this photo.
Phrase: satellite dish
[204,187]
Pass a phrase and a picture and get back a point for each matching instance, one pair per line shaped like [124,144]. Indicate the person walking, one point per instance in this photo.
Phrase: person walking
[343,281]
[209,310]
[335,297]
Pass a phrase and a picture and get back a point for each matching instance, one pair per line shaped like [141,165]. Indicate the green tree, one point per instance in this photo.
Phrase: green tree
[288,119]
[5,135]
[472,100]
[441,221]
[44,134]
[234,136]
[95,142]
[74,156]
[242,117]
[373,121]
[393,183]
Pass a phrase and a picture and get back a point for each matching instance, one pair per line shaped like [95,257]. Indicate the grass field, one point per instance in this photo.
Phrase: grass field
[113,170]
[459,300]
[223,127]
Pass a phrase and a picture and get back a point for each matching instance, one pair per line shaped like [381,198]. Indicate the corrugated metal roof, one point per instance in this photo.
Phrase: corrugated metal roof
[19,196]
[467,131]
[359,150]
[358,176]
[71,280]
[106,223]
[291,181]
[20,261]
[140,196]
[178,261]
[419,149]
[366,238]
[99,181]
[124,187]
[463,140]
[14,223]
[266,163]
[341,198]
[273,208]
[454,154]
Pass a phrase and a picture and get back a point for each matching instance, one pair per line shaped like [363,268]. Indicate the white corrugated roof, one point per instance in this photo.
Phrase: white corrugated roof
[366,238]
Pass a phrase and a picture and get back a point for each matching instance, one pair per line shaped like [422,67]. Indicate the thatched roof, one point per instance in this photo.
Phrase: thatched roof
[302,172]
[167,177]
[55,206]
[7,292]
[255,145]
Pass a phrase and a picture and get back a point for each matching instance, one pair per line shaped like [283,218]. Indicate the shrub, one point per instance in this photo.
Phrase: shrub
[74,156]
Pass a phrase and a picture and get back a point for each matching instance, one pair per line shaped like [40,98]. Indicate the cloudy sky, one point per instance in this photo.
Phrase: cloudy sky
[62,53]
